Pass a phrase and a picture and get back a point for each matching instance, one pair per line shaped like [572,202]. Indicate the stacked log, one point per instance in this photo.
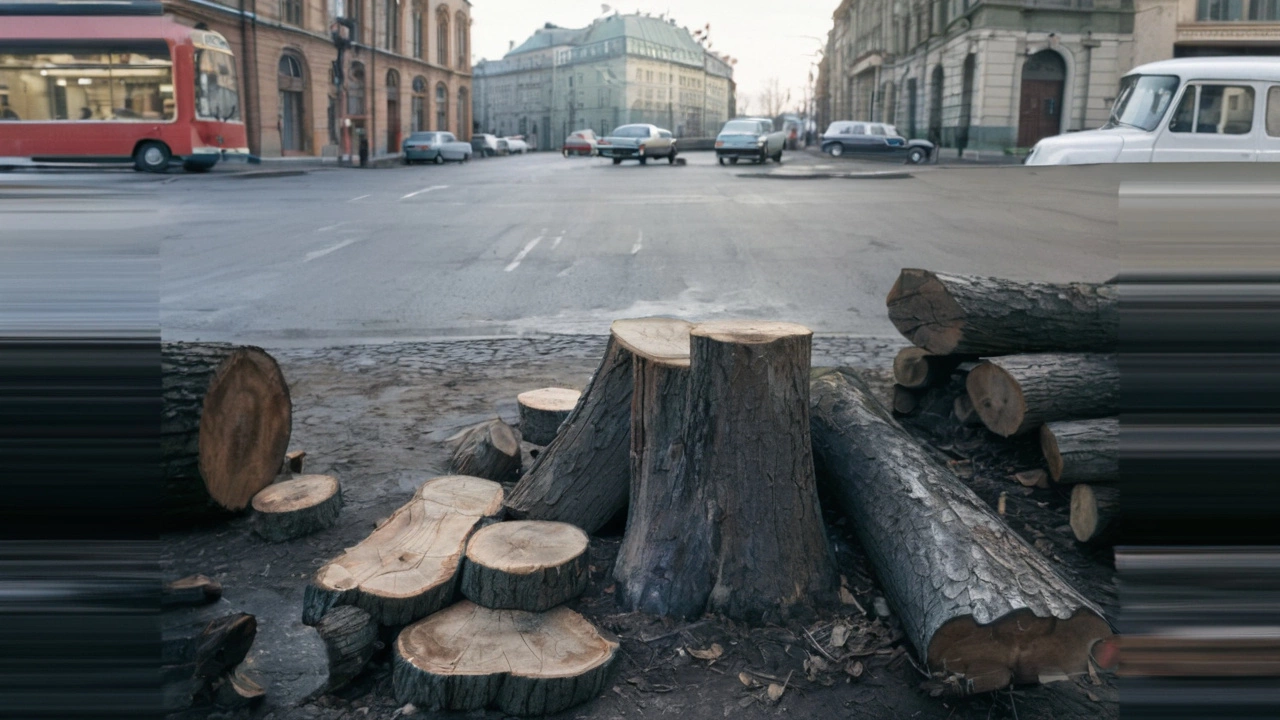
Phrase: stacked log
[202,646]
[296,507]
[490,450]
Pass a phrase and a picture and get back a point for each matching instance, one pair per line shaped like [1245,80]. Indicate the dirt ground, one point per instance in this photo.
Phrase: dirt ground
[377,417]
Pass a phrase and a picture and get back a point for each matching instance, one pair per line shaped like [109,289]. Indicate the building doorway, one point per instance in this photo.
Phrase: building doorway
[1044,76]
[912,107]
[966,102]
[393,111]
[293,137]
[935,106]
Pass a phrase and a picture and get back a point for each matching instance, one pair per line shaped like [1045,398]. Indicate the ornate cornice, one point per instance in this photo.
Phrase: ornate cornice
[1233,32]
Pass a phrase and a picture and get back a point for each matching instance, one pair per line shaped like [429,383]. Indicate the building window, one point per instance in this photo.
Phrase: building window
[1238,10]
[442,37]
[460,29]
[391,33]
[291,11]
[355,89]
[442,107]
[417,34]
[355,11]
[464,106]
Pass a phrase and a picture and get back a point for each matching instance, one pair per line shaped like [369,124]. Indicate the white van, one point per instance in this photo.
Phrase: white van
[1223,109]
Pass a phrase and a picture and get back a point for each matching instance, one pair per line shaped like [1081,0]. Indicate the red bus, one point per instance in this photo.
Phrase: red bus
[114,82]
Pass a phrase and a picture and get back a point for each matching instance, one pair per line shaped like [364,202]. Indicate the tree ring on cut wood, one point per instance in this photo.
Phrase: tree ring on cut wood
[525,565]
[543,410]
[244,427]
[297,507]
[469,657]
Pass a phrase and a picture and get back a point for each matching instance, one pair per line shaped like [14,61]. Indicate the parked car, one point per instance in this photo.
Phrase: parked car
[581,142]
[435,147]
[639,141]
[517,145]
[1212,109]
[873,140]
[487,145]
[749,138]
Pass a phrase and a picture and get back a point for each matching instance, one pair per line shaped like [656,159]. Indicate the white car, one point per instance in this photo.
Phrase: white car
[516,145]
[1218,109]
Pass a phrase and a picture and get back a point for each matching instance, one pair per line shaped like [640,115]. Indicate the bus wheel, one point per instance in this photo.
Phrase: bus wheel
[151,156]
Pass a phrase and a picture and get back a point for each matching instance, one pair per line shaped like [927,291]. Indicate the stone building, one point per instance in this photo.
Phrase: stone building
[620,69]
[409,68]
[980,76]
[1189,28]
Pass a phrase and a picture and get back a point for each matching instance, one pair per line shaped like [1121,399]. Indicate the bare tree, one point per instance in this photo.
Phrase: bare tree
[774,99]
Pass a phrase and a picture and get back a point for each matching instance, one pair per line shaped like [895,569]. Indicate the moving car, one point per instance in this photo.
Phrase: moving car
[434,147]
[517,145]
[1219,109]
[486,145]
[873,140]
[640,142]
[582,142]
[750,138]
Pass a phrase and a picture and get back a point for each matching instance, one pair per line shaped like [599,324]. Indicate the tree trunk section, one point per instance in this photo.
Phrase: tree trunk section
[905,400]
[583,476]
[197,647]
[297,507]
[490,450]
[408,567]
[1093,510]
[1082,450]
[962,314]
[224,427]
[470,658]
[350,636]
[1019,393]
[193,590]
[237,690]
[530,565]
[974,598]
[543,411]
[916,368]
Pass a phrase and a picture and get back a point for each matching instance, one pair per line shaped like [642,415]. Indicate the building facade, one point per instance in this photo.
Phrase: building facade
[979,76]
[620,69]
[1190,28]
[408,68]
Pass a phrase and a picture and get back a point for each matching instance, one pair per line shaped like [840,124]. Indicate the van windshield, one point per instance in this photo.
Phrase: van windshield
[1142,101]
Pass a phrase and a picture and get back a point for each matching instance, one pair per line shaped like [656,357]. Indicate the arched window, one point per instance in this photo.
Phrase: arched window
[464,108]
[293,125]
[419,104]
[393,110]
[355,89]
[442,36]
[460,40]
[391,32]
[442,107]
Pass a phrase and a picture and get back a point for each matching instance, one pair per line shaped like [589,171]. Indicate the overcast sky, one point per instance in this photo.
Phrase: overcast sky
[768,37]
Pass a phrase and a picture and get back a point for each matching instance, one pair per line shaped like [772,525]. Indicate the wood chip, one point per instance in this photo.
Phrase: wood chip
[839,635]
[855,669]
[712,653]
[775,692]
[1033,478]
[745,679]
[1000,504]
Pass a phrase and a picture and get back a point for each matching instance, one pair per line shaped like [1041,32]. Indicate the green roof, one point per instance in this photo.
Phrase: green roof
[654,30]
[544,38]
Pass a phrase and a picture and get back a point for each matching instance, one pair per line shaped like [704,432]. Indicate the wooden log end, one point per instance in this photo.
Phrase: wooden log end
[490,450]
[297,507]
[1052,457]
[526,565]
[922,309]
[543,411]
[191,590]
[997,399]
[749,332]
[905,400]
[663,340]
[238,689]
[1093,508]
[911,367]
[1033,478]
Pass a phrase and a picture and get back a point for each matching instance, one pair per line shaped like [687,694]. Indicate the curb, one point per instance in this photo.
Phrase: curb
[887,175]
[266,173]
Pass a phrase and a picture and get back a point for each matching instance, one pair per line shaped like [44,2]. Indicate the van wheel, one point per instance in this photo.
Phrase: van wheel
[439,158]
[836,150]
[151,156]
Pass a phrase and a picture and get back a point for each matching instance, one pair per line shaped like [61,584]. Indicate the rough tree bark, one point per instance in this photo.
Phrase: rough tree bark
[583,476]
[490,450]
[542,412]
[950,314]
[1082,450]
[297,507]
[350,636]
[975,599]
[530,565]
[224,426]
[1018,393]
[198,646]
[917,368]
[1093,510]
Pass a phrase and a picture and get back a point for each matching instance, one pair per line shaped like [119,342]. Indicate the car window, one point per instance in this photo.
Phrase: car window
[1225,110]
[632,131]
[1185,113]
[858,129]
[877,130]
[1273,111]
[665,134]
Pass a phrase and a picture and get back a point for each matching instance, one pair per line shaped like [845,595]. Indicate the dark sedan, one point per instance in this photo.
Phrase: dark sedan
[873,140]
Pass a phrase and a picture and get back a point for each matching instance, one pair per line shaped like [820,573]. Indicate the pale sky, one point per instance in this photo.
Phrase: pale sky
[768,37]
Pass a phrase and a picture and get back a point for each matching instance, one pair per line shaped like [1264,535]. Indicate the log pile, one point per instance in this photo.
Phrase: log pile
[203,640]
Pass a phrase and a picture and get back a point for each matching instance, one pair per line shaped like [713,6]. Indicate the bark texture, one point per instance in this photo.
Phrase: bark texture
[543,411]
[297,507]
[490,450]
[583,476]
[191,590]
[408,567]
[917,368]
[469,658]
[1093,511]
[530,565]
[224,428]
[198,646]
[350,636]
[975,599]
[1019,393]
[962,314]
[1082,450]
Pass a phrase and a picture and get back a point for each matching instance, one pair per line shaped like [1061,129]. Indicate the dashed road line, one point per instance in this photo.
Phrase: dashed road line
[638,244]
[527,248]
[333,248]
[423,190]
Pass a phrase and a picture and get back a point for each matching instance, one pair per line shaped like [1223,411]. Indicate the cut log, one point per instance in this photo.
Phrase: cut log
[350,637]
[469,658]
[964,411]
[974,598]
[407,568]
[1019,393]
[224,427]
[293,461]
[961,314]
[297,507]
[1082,450]
[190,590]
[237,689]
[197,647]
[583,476]
[530,565]
[543,411]
[917,368]
[1093,509]
[490,450]
[1033,478]
[905,400]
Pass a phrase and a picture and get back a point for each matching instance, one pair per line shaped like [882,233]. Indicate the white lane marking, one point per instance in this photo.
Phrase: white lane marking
[321,253]
[358,198]
[516,263]
[556,242]
[327,228]
[638,244]
[423,190]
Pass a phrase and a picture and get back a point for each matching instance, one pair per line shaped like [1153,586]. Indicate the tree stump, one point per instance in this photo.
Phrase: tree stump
[1093,508]
[583,476]
[543,411]
[470,657]
[192,590]
[197,647]
[490,450]
[297,507]
[1018,393]
[961,314]
[530,565]
[916,368]
[407,568]
[350,637]
[974,598]
[224,428]
[1082,450]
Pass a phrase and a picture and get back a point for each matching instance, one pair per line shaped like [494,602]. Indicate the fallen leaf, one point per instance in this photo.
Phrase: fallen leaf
[854,669]
[839,634]
[847,597]
[711,653]
[745,679]
[775,692]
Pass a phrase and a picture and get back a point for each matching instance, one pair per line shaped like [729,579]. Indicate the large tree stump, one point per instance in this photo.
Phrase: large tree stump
[543,411]
[490,450]
[297,507]
[470,657]
[1018,393]
[350,637]
[1093,510]
[408,567]
[974,598]
[224,427]
[583,476]
[528,565]
[1082,450]
[962,314]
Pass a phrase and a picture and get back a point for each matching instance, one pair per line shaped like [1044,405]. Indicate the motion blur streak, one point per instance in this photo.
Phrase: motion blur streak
[1200,440]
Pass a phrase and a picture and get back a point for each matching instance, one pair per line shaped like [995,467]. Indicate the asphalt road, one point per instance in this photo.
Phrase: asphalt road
[541,244]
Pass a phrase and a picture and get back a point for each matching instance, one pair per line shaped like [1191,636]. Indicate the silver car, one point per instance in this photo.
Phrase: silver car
[434,147]
[639,142]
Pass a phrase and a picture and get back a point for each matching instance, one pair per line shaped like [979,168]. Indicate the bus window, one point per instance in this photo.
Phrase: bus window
[217,93]
[125,83]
